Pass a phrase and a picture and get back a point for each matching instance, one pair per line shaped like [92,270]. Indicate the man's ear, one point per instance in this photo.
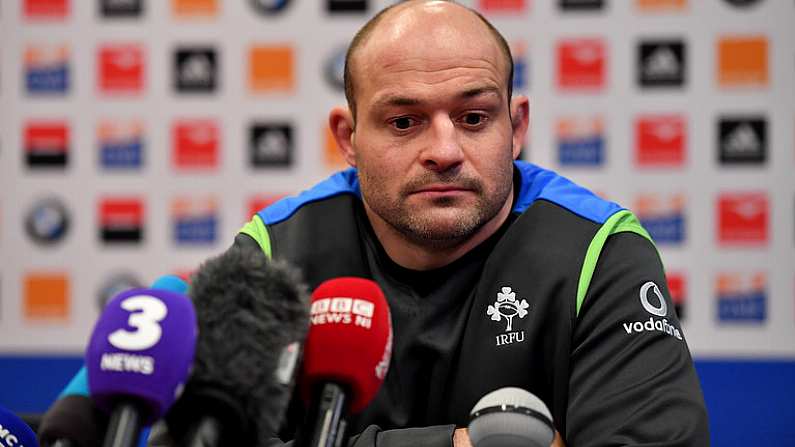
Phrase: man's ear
[340,120]
[520,121]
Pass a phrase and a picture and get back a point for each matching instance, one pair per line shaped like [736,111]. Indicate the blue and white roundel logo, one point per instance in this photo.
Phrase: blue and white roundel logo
[269,6]
[334,69]
[47,222]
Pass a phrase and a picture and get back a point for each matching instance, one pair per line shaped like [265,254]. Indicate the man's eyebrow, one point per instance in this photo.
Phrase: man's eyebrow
[402,101]
[479,91]
[396,101]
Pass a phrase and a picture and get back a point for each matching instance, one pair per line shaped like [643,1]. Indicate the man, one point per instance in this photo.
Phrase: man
[498,273]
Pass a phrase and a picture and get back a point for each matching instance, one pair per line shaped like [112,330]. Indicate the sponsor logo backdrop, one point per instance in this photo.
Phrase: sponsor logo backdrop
[137,137]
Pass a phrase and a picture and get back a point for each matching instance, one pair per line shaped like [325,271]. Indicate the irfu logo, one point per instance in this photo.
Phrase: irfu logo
[507,307]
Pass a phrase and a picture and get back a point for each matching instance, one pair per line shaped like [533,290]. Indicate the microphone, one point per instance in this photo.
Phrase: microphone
[14,432]
[346,356]
[510,417]
[138,358]
[74,420]
[253,315]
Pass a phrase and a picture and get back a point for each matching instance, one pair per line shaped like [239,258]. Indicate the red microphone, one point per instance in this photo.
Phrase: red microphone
[346,356]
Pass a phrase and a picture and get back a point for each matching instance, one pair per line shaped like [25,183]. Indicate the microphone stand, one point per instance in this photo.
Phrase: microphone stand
[326,420]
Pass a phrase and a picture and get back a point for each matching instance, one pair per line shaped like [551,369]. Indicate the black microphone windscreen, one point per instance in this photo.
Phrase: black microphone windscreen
[252,313]
[75,418]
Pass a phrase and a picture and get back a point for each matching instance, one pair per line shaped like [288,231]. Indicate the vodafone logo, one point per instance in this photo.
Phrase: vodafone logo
[343,310]
[660,310]
[653,325]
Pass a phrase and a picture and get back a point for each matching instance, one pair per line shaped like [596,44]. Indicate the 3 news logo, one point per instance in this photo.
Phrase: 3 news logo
[270,144]
[742,140]
[194,220]
[121,8]
[46,144]
[741,297]
[121,220]
[661,63]
[121,144]
[47,69]
[195,70]
[663,216]
[581,141]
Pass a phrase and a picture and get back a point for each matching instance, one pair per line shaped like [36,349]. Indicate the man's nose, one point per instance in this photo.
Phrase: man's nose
[442,150]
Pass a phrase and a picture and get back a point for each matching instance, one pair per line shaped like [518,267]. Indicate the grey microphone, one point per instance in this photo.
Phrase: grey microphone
[510,417]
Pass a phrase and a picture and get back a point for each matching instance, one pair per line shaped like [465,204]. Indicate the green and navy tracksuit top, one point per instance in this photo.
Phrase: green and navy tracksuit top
[568,300]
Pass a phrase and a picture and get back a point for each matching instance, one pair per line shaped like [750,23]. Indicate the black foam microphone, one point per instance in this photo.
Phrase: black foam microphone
[73,421]
[253,315]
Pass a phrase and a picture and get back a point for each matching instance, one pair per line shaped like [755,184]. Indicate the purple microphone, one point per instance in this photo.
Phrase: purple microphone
[139,357]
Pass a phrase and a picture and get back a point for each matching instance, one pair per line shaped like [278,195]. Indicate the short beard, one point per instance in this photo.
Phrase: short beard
[423,229]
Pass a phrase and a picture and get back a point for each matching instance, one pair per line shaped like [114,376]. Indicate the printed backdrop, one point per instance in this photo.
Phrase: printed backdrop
[136,137]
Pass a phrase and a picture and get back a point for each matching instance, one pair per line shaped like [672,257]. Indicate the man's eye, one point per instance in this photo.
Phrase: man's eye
[473,119]
[402,123]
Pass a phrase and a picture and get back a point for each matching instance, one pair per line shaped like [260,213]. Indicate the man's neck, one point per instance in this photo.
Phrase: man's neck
[420,255]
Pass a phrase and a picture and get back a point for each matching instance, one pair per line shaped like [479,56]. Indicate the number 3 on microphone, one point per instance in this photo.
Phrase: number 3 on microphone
[150,311]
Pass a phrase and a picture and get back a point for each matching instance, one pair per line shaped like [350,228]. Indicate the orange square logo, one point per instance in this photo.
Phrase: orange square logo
[742,61]
[271,68]
[46,296]
[660,5]
[194,8]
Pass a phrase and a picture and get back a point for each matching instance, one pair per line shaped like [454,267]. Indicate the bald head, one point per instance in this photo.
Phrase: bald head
[442,22]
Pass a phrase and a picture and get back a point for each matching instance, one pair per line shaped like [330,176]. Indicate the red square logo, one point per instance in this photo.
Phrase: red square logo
[195,144]
[121,219]
[502,5]
[46,9]
[121,69]
[743,218]
[660,140]
[46,143]
[581,64]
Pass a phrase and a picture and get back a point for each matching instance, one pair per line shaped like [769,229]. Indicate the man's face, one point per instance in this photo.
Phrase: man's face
[433,139]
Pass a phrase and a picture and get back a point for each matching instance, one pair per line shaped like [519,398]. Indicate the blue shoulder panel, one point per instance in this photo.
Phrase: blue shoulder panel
[542,184]
[345,182]
[537,183]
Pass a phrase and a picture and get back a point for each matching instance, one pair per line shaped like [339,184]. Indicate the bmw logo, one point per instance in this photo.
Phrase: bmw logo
[334,69]
[269,6]
[47,222]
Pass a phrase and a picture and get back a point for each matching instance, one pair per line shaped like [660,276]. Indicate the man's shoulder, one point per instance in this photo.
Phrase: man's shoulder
[342,183]
[539,184]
